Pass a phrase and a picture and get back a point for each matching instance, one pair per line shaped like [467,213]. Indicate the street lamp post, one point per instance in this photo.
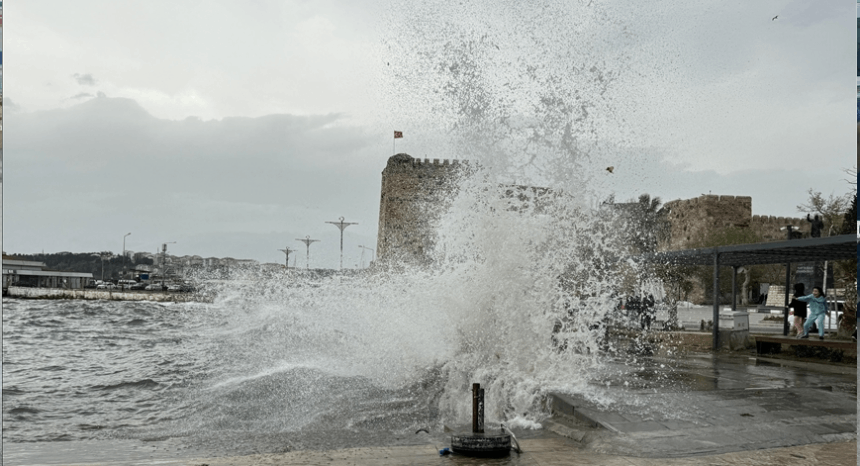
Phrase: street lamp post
[287,251]
[307,240]
[824,285]
[342,225]
[123,257]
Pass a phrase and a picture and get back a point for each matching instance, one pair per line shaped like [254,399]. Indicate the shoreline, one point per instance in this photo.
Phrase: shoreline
[110,295]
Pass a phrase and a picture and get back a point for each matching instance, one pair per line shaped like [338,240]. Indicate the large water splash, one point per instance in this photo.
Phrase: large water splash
[530,96]
[522,281]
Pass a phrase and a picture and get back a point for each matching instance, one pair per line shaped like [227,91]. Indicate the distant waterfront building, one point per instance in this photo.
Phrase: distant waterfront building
[34,274]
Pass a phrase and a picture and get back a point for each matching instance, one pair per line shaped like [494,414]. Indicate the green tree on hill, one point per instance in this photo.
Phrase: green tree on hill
[85,262]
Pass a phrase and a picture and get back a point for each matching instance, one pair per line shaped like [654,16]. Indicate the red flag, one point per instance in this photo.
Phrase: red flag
[398,134]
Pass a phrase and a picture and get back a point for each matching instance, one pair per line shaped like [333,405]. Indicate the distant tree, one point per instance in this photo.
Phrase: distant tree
[831,209]
[141,258]
[845,272]
[645,224]
[852,173]
[84,262]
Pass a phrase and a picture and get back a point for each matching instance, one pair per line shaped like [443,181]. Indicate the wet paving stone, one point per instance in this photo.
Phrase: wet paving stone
[783,406]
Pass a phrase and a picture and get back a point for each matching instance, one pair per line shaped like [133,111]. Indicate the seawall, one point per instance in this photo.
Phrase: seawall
[110,295]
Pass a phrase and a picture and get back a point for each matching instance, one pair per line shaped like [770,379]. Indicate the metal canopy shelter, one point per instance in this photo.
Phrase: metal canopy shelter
[843,247]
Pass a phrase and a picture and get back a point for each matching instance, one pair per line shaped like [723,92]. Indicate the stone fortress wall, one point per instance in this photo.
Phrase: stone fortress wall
[690,220]
[768,226]
[414,194]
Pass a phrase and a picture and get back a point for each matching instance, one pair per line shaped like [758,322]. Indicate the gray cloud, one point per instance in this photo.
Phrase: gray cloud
[245,187]
[81,95]
[9,105]
[84,79]
[113,165]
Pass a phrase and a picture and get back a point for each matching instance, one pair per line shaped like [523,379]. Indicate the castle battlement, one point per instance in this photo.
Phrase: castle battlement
[436,162]
[781,221]
[405,161]
[710,199]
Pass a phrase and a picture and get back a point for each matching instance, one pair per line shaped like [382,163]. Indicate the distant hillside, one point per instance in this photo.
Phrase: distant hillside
[84,262]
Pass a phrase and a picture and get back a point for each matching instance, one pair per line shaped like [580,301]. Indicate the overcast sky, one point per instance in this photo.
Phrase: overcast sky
[234,128]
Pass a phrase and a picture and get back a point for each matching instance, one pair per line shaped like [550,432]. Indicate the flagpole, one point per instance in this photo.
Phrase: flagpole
[397,134]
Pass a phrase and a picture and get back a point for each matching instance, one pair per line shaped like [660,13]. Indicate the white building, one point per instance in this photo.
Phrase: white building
[35,274]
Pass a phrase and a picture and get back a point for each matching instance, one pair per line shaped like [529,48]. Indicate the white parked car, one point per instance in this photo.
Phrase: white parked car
[153,287]
[832,320]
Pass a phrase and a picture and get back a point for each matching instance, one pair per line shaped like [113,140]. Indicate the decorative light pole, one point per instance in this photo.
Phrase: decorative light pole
[372,253]
[123,257]
[342,225]
[287,251]
[307,240]
[164,261]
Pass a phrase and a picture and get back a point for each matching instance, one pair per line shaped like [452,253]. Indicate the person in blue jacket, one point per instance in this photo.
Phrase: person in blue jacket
[817,310]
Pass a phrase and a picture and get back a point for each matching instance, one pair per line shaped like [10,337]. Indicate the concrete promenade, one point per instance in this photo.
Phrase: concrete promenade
[713,404]
[537,452]
[699,409]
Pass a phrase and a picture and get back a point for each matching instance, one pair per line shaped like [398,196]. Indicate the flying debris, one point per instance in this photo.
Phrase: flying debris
[610,169]
[774,18]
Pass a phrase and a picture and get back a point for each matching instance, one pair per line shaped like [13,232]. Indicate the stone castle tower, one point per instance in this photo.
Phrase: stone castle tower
[414,194]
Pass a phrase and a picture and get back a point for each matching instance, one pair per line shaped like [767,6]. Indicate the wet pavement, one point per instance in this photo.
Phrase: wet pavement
[713,404]
[702,409]
[536,452]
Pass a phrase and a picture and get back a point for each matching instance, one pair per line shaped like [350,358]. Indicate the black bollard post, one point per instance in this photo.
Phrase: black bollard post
[480,412]
[479,443]
[476,388]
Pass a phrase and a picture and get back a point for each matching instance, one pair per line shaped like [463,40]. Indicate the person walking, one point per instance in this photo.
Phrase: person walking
[817,310]
[647,311]
[799,308]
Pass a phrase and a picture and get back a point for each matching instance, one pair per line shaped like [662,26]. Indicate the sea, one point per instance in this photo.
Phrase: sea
[97,378]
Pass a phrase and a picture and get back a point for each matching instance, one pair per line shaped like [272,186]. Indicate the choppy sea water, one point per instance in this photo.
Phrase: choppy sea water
[222,378]
[289,363]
